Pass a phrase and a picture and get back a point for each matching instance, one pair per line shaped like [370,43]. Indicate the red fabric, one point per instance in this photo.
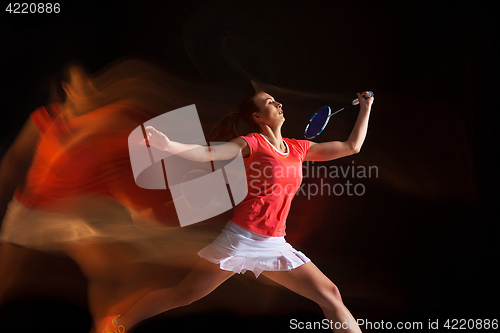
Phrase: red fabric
[86,155]
[273,179]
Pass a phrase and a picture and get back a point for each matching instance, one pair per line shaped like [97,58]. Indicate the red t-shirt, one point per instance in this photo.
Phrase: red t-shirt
[273,178]
[84,156]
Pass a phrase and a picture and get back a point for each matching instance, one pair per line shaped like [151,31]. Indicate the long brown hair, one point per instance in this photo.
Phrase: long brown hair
[226,129]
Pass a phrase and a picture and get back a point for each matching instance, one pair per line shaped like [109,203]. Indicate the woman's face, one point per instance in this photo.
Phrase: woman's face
[270,111]
[79,86]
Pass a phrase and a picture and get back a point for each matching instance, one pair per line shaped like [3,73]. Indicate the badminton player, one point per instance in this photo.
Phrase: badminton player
[254,238]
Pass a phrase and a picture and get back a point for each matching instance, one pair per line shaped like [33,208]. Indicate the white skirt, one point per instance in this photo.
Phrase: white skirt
[41,230]
[102,220]
[237,249]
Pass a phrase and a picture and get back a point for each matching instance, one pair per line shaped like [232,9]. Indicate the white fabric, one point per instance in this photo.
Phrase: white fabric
[99,219]
[95,218]
[276,149]
[238,250]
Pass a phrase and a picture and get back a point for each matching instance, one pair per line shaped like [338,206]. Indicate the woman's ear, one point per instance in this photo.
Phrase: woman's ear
[64,85]
[256,116]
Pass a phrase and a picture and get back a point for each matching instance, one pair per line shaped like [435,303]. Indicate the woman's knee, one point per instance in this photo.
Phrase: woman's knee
[183,297]
[330,297]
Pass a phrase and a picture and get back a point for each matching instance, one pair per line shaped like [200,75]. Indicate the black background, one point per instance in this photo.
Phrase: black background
[419,245]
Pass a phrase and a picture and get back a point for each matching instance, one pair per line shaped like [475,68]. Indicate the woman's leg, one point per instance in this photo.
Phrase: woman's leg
[307,280]
[108,269]
[201,281]
[11,259]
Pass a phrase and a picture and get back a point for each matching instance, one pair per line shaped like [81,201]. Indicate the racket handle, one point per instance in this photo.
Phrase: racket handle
[368,95]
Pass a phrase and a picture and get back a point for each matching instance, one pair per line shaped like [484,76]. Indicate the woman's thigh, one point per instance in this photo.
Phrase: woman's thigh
[203,279]
[307,280]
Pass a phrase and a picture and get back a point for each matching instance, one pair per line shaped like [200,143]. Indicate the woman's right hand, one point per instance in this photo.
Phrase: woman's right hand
[157,139]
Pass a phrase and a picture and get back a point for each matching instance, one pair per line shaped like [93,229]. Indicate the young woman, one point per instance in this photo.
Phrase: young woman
[66,186]
[254,238]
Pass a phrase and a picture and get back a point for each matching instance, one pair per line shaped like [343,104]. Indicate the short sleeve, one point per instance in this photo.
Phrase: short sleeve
[43,118]
[252,142]
[302,147]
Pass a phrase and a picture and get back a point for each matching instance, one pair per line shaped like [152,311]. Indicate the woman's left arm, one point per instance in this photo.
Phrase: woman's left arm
[327,151]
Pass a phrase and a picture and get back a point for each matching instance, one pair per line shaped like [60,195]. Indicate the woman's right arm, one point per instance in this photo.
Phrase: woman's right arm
[198,153]
[16,161]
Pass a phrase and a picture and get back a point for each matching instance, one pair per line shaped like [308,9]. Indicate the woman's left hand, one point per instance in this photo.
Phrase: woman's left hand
[363,101]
